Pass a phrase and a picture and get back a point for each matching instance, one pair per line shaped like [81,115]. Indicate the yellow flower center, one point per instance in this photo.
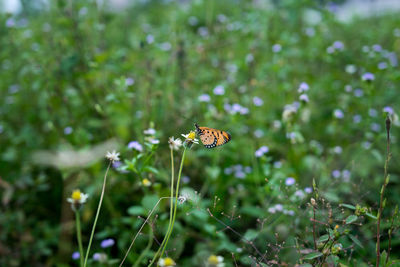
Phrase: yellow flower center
[191,135]
[169,262]
[76,195]
[146,182]
[213,260]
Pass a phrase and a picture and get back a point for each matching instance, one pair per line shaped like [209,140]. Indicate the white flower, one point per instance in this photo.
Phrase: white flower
[217,261]
[166,262]
[112,156]
[150,131]
[77,197]
[182,199]
[191,137]
[174,144]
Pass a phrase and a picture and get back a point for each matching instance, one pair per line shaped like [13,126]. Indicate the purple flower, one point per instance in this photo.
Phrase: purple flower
[185,179]
[358,92]
[165,46]
[338,45]
[336,173]
[382,65]
[10,23]
[68,130]
[389,110]
[261,151]
[309,31]
[348,88]
[249,58]
[129,81]
[135,145]
[338,150]
[338,114]
[377,48]
[228,171]
[304,98]
[303,87]
[367,145]
[219,90]
[202,31]
[290,181]
[357,118]
[149,131]
[240,175]
[330,49]
[150,39]
[279,207]
[375,127]
[276,48]
[107,243]
[299,193]
[75,255]
[257,101]
[372,112]
[116,164]
[13,89]
[278,164]
[193,21]
[204,98]
[258,133]
[346,175]
[368,76]
[96,256]
[244,111]
[236,107]
[308,190]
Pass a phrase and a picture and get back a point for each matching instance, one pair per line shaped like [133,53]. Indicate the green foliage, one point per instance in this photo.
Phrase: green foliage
[76,74]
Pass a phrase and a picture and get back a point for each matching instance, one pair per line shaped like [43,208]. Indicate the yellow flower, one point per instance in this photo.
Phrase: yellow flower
[166,262]
[146,182]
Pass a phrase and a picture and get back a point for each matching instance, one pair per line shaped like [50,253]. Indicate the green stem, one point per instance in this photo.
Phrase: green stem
[97,214]
[79,236]
[176,202]
[172,214]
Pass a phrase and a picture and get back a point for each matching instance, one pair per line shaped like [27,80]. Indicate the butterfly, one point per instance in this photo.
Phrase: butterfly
[212,137]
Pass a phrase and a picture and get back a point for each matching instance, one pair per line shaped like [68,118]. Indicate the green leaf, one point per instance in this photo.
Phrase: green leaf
[371,215]
[323,238]
[348,206]
[149,201]
[313,255]
[135,210]
[251,234]
[351,219]
[356,241]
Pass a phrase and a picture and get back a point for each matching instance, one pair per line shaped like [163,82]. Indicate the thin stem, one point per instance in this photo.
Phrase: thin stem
[171,209]
[137,234]
[97,214]
[79,236]
[176,202]
[314,230]
[146,249]
[390,234]
[382,192]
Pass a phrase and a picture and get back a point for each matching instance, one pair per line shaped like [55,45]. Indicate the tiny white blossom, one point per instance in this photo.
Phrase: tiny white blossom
[112,156]
[174,144]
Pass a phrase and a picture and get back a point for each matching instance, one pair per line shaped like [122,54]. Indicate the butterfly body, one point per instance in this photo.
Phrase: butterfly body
[212,137]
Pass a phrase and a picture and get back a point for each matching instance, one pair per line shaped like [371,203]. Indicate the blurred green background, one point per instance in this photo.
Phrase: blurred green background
[304,96]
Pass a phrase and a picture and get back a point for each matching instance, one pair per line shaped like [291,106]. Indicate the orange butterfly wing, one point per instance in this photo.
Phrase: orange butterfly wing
[212,137]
